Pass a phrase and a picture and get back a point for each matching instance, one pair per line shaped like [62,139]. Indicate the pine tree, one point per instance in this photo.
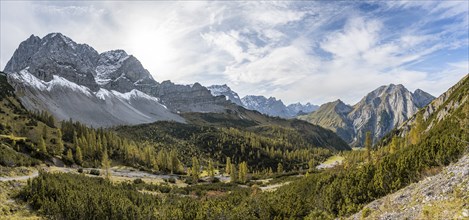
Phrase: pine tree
[195,169]
[368,145]
[70,155]
[394,145]
[228,166]
[243,172]
[311,165]
[106,164]
[78,156]
[161,159]
[42,146]
[279,168]
[75,138]
[233,174]
[174,161]
[44,132]
[417,129]
[60,143]
[154,164]
[211,170]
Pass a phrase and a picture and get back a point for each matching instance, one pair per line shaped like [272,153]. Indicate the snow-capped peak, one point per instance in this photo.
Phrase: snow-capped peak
[109,62]
[225,90]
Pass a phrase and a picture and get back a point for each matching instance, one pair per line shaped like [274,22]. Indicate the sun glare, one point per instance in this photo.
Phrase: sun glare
[153,48]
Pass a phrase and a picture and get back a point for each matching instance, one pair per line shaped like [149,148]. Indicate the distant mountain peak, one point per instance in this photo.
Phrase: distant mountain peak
[378,112]
[422,98]
[270,106]
[225,90]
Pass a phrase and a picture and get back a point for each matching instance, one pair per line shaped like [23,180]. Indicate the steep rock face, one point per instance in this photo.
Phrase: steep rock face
[189,98]
[218,90]
[269,106]
[108,63]
[421,98]
[118,71]
[378,112]
[103,108]
[58,55]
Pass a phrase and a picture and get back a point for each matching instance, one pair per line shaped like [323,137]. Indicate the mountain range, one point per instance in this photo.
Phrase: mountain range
[269,106]
[58,75]
[378,113]
[74,81]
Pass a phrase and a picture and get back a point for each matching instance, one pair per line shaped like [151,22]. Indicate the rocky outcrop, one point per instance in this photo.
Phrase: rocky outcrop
[118,71]
[378,112]
[224,90]
[188,98]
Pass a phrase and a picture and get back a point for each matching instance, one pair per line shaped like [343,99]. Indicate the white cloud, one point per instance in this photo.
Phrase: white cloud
[358,37]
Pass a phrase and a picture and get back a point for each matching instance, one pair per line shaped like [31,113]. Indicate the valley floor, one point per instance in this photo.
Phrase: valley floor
[442,196]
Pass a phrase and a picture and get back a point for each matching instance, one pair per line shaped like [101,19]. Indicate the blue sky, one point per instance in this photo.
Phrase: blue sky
[314,51]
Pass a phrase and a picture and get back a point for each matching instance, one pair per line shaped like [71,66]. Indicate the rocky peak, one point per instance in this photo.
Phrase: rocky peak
[300,109]
[108,63]
[226,91]
[378,112]
[422,98]
[121,72]
[55,54]
[269,106]
[341,108]
[22,56]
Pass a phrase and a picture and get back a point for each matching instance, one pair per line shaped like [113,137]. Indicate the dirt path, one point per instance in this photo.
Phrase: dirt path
[19,178]
[273,187]
[331,162]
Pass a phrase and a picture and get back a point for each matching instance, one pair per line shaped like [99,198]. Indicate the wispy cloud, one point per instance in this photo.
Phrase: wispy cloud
[297,51]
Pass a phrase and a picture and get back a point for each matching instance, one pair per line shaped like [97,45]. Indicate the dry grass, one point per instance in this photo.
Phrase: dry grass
[334,159]
[10,207]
